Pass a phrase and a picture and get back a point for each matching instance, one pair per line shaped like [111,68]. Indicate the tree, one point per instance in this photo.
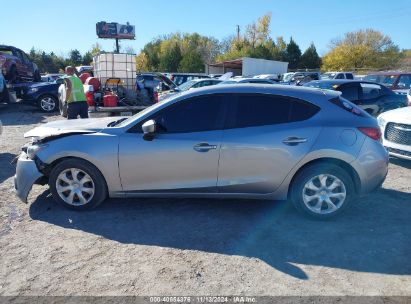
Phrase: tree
[170,59]
[96,49]
[142,62]
[87,58]
[191,63]
[293,54]
[75,57]
[364,49]
[310,58]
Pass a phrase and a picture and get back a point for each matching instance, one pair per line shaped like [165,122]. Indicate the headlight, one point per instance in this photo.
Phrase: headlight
[34,149]
[33,90]
[381,122]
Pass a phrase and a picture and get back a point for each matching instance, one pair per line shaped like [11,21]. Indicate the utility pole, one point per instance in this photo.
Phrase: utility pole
[238,32]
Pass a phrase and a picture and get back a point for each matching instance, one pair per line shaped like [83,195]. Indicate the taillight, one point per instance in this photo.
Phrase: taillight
[374,133]
[90,99]
[172,77]
[155,97]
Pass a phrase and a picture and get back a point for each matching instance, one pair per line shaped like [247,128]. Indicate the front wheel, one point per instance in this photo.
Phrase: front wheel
[322,190]
[77,184]
[47,103]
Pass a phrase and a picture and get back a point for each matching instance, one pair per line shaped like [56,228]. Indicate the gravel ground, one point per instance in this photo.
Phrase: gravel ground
[192,247]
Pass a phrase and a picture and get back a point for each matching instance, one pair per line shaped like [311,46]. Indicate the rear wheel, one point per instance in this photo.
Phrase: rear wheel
[322,190]
[77,184]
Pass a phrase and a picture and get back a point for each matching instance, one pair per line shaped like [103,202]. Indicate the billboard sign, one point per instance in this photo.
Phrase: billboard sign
[115,30]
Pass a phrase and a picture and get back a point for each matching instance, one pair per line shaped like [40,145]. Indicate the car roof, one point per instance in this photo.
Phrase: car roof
[3,46]
[286,90]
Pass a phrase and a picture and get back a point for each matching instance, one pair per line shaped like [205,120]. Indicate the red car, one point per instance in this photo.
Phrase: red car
[393,80]
[16,65]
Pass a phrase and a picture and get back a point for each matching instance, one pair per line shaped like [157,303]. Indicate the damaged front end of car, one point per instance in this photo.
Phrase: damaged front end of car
[30,169]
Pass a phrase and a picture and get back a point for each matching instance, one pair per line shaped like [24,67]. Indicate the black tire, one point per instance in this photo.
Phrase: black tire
[50,98]
[100,186]
[12,74]
[304,176]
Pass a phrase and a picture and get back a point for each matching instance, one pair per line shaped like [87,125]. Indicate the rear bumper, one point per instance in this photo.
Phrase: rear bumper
[26,175]
[371,165]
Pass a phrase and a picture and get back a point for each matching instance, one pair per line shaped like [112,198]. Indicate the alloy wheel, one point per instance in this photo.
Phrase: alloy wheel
[47,104]
[324,194]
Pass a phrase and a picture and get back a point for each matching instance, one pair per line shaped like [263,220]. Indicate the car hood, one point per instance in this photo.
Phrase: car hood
[44,84]
[400,115]
[72,126]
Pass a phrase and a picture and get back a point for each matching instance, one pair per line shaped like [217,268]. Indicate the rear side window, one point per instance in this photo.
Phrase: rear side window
[370,91]
[349,76]
[349,91]
[250,110]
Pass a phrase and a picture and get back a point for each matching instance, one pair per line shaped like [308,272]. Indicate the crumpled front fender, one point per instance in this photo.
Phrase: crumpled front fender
[26,175]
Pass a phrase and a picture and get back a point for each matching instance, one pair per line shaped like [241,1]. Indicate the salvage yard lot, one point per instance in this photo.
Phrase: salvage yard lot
[193,247]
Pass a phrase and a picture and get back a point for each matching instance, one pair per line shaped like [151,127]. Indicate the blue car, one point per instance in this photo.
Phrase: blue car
[42,94]
[373,97]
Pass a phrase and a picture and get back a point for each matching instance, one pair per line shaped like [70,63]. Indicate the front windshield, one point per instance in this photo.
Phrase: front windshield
[147,110]
[186,85]
[326,76]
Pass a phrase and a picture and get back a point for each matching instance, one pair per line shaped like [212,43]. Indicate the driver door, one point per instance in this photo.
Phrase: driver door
[183,156]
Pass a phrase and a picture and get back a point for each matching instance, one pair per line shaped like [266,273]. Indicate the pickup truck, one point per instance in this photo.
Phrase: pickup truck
[16,65]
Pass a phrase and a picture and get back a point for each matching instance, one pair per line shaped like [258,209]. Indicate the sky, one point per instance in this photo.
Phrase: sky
[60,26]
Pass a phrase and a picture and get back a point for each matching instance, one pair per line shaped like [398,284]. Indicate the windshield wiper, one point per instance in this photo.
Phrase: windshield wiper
[116,122]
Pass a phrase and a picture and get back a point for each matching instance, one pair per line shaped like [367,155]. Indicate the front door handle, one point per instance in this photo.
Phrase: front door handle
[293,141]
[204,147]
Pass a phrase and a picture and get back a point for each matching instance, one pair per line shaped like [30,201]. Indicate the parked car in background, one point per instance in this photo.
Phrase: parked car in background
[337,75]
[16,65]
[42,94]
[180,78]
[286,77]
[247,80]
[262,142]
[51,77]
[85,69]
[372,97]
[192,84]
[299,78]
[393,80]
[273,77]
[396,132]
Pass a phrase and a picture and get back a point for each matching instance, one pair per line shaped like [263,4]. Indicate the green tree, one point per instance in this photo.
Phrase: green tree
[310,58]
[87,58]
[96,49]
[170,59]
[293,54]
[364,49]
[191,63]
[75,57]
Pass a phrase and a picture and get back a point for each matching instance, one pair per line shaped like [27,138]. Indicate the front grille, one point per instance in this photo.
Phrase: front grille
[398,133]
[399,152]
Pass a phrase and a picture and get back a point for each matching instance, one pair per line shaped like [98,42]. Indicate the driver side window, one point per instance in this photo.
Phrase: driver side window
[197,114]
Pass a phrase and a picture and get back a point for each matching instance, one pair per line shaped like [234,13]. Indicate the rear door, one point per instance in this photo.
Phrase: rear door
[183,156]
[265,136]
[20,66]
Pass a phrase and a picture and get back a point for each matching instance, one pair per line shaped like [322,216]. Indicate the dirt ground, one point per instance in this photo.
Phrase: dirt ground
[198,247]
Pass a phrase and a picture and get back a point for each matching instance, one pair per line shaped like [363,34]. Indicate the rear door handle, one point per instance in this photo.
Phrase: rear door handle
[293,141]
[204,147]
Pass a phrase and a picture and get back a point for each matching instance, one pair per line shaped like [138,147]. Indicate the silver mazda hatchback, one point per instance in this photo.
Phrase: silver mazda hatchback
[274,142]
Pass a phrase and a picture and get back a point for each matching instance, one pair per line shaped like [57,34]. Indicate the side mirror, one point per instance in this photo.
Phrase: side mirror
[149,129]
